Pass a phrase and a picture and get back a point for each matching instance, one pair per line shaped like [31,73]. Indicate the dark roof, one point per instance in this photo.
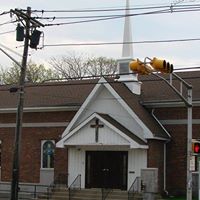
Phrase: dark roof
[156,90]
[74,93]
[122,128]
[134,103]
[70,93]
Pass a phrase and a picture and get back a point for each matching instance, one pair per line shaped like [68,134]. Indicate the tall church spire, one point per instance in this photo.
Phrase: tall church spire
[127,50]
[125,74]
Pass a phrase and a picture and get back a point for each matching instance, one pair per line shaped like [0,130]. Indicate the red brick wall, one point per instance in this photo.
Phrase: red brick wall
[30,156]
[177,159]
[177,147]
[156,159]
[38,117]
[61,164]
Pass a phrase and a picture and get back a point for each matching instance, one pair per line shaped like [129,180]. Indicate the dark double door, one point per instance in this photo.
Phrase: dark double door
[106,169]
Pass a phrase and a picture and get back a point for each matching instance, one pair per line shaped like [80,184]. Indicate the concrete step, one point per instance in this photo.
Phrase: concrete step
[88,194]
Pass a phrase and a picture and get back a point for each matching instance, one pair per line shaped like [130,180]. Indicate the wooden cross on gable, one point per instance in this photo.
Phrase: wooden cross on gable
[97,126]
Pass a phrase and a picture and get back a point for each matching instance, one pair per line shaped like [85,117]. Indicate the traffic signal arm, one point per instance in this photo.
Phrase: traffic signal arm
[139,67]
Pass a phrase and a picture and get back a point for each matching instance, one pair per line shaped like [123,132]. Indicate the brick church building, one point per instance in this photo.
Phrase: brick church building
[105,130]
[84,126]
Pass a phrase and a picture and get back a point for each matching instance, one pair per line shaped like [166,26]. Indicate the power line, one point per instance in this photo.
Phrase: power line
[5,13]
[116,9]
[3,33]
[7,48]
[122,16]
[119,43]
[107,18]
[168,9]
[97,10]
[8,22]
[92,77]
[88,80]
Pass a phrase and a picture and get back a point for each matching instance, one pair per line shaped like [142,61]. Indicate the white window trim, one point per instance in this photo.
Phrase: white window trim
[41,153]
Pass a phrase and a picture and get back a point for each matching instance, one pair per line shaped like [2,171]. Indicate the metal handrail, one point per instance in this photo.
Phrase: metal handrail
[105,192]
[30,190]
[178,92]
[134,188]
[60,179]
[76,185]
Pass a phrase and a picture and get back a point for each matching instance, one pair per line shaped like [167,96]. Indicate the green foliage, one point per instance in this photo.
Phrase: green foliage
[70,66]
[34,74]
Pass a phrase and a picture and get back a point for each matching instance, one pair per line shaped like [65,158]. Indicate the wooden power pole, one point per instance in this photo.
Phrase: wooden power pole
[16,153]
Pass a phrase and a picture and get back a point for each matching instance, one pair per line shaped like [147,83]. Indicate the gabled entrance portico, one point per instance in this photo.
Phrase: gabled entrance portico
[113,161]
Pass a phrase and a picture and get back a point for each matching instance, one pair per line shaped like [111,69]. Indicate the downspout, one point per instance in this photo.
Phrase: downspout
[164,167]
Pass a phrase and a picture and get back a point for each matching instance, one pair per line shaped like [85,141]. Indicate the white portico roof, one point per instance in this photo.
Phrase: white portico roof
[111,134]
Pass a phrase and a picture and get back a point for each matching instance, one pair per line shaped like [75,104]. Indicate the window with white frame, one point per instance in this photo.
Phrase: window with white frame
[48,149]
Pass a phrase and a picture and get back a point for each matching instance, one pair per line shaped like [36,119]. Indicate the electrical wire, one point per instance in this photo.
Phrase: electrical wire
[3,33]
[106,18]
[97,10]
[115,9]
[8,22]
[123,16]
[7,48]
[168,9]
[91,80]
[5,13]
[119,43]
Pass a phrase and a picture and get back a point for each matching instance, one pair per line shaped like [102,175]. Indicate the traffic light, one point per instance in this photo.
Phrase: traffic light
[161,65]
[196,147]
[139,67]
[35,38]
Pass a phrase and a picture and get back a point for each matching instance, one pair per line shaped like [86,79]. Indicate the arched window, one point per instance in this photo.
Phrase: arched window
[48,148]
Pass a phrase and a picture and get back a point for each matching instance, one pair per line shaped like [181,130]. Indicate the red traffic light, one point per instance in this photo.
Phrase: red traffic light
[196,147]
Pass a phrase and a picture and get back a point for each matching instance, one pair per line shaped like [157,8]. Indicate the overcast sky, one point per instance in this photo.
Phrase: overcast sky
[144,28]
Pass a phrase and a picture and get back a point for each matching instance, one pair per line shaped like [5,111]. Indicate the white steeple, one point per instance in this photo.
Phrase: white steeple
[126,75]
[127,51]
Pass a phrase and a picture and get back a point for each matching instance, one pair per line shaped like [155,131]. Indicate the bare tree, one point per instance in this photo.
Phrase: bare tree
[70,66]
[101,66]
[77,66]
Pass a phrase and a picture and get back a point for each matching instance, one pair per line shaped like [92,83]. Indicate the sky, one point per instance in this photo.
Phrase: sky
[168,26]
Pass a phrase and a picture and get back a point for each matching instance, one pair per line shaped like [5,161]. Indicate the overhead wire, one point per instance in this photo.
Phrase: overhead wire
[105,18]
[9,49]
[4,13]
[97,10]
[6,32]
[193,8]
[8,22]
[86,80]
[111,17]
[119,43]
[115,9]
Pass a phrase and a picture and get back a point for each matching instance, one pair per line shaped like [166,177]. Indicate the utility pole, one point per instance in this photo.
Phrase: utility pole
[19,115]
[16,153]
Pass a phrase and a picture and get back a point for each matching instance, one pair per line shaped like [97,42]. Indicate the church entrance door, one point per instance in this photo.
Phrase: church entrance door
[106,169]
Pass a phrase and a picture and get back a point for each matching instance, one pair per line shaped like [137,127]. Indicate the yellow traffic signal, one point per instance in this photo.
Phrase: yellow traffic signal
[139,67]
[161,65]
